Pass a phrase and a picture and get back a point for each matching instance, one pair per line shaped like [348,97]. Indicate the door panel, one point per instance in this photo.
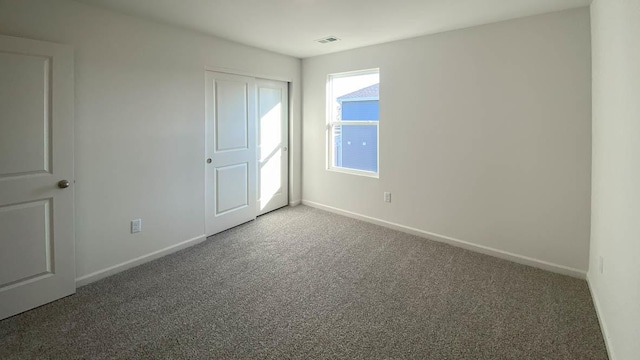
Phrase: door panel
[231,176]
[37,261]
[25,119]
[30,224]
[273,115]
[231,186]
[231,115]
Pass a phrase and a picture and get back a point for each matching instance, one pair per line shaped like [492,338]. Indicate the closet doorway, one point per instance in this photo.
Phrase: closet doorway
[246,144]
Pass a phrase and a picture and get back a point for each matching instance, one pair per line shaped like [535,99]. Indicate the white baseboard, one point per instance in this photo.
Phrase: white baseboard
[294,203]
[603,324]
[520,259]
[101,274]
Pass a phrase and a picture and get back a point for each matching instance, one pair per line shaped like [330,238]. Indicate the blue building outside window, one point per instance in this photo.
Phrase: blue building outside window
[356,146]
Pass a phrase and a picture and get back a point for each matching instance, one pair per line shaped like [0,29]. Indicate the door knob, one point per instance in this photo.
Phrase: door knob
[63,184]
[208,161]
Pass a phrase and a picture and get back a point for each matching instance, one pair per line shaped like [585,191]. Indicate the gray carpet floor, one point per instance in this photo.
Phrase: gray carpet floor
[300,283]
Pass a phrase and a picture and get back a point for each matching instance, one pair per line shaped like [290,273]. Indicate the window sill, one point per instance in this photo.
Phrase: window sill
[369,174]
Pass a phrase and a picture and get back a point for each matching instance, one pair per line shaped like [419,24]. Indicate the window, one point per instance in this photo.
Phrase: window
[353,118]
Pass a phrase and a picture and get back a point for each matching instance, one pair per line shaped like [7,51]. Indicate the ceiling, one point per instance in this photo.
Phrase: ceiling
[291,26]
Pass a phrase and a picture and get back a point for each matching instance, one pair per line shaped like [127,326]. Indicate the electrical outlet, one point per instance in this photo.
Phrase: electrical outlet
[387,197]
[601,264]
[136,226]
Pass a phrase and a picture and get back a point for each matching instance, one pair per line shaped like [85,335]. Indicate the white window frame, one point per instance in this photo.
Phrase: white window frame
[331,122]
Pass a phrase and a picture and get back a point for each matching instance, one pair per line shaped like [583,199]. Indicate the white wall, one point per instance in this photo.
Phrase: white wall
[139,111]
[485,137]
[615,219]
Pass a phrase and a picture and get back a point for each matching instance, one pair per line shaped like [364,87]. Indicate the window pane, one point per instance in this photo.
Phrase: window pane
[354,97]
[356,147]
[360,110]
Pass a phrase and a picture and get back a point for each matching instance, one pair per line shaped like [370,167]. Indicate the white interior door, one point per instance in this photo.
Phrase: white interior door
[231,165]
[37,261]
[273,130]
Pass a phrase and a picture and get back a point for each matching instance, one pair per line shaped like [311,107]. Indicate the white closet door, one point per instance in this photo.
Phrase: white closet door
[231,164]
[37,260]
[273,160]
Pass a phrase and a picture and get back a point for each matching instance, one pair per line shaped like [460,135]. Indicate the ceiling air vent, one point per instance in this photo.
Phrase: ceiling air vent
[328,39]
